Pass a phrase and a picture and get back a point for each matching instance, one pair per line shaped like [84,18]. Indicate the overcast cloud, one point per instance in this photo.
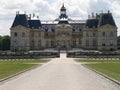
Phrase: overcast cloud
[49,10]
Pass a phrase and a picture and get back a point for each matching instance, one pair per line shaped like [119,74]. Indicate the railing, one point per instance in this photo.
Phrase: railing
[93,55]
[32,55]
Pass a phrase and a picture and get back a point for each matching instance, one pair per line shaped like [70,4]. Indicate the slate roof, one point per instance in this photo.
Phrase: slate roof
[20,19]
[36,24]
[106,18]
[92,23]
[63,8]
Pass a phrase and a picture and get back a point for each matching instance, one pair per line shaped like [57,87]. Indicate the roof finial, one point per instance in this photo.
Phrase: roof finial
[63,4]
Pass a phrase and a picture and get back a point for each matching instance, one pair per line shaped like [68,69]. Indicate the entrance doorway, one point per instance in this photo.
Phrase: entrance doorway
[63,45]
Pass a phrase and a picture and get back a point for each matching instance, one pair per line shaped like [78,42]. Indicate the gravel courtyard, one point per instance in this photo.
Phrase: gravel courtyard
[59,74]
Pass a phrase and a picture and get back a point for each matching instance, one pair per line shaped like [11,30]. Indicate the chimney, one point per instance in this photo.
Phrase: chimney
[33,15]
[102,11]
[24,12]
[97,15]
[88,16]
[17,12]
[37,17]
[92,15]
[108,11]
[30,17]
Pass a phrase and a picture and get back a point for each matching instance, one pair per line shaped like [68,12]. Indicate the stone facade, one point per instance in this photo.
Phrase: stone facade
[98,32]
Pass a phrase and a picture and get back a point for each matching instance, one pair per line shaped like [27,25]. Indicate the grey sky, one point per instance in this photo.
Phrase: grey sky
[49,9]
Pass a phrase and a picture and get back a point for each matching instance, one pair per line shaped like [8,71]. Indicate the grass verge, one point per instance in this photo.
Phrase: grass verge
[8,68]
[101,61]
[110,68]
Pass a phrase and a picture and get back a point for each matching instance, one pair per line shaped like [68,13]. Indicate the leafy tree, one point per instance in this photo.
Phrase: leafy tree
[118,42]
[0,42]
[5,42]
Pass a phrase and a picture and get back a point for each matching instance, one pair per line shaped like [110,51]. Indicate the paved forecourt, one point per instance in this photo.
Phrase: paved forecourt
[59,74]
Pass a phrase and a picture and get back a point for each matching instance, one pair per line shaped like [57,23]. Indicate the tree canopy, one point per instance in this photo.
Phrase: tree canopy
[5,42]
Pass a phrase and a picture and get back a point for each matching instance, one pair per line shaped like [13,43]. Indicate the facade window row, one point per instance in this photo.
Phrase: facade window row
[16,34]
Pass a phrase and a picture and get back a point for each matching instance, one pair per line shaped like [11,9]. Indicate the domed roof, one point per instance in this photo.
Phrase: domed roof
[63,8]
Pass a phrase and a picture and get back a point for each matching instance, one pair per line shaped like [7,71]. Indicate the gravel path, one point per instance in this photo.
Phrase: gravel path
[59,74]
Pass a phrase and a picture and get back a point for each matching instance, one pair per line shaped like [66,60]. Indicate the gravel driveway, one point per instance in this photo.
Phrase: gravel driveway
[59,74]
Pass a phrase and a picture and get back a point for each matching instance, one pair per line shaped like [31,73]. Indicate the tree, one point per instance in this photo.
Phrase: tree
[118,42]
[0,42]
[5,43]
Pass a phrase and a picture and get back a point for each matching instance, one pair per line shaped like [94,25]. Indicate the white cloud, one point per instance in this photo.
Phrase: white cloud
[49,9]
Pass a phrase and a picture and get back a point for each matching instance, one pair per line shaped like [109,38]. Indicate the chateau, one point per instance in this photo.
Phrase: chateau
[97,32]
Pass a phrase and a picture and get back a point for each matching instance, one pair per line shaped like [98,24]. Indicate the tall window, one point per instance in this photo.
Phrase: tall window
[79,41]
[103,44]
[40,34]
[15,34]
[32,34]
[74,43]
[87,34]
[23,34]
[93,34]
[39,43]
[87,42]
[111,44]
[52,43]
[111,33]
[46,34]
[94,43]
[103,34]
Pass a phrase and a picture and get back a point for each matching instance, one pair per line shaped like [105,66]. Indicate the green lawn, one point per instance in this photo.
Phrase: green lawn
[109,67]
[8,68]
[102,61]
